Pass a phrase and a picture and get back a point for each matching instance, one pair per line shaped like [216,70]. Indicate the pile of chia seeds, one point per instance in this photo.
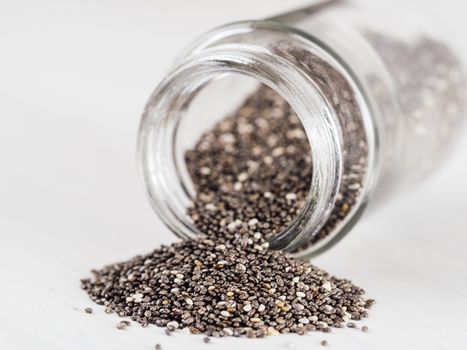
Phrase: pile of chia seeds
[251,173]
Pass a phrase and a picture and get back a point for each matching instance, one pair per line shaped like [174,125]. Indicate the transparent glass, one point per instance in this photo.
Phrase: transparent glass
[380,104]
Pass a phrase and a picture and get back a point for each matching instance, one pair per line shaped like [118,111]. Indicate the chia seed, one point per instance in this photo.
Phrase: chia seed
[227,282]
[123,325]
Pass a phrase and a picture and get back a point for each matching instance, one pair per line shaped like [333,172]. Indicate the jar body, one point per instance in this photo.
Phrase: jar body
[409,68]
[375,111]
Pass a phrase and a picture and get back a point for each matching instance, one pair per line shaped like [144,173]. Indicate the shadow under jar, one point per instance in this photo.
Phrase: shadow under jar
[379,94]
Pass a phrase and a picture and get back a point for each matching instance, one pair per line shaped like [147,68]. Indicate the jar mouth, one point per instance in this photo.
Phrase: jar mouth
[167,191]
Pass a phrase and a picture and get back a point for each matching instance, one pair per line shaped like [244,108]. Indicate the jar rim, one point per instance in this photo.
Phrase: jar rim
[202,64]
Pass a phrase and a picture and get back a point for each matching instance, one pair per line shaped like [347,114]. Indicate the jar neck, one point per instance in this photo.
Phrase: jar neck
[261,52]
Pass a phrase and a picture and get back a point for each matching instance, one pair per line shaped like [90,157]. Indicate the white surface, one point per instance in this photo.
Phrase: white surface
[74,76]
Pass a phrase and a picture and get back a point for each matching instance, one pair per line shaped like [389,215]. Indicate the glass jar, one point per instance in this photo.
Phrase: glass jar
[379,94]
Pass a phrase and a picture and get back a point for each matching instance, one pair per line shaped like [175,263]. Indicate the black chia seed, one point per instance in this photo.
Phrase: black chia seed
[227,282]
[123,325]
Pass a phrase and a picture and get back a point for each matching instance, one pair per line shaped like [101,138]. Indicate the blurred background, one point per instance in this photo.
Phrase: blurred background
[74,78]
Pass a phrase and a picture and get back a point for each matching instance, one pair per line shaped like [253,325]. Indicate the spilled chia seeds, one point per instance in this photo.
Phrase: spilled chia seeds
[251,173]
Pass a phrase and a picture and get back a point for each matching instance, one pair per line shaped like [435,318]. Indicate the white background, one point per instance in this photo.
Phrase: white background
[74,77]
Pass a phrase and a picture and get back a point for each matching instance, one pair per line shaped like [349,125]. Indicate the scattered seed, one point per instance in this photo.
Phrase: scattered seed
[122,325]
